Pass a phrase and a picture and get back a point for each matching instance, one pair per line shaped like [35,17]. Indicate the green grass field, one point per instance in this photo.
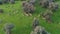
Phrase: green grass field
[13,13]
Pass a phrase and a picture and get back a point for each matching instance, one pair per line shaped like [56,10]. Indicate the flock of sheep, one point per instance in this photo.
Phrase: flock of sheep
[29,9]
[7,1]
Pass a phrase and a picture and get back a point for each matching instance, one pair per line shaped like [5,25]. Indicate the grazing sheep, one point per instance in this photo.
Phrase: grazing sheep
[1,11]
[12,1]
[8,27]
[39,30]
[35,22]
[28,8]
[53,7]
